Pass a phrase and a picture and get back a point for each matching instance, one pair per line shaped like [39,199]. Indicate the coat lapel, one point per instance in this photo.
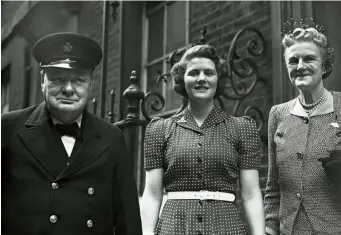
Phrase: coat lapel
[44,144]
[90,150]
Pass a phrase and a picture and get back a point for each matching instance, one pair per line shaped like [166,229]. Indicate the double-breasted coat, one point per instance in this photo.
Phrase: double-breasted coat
[298,188]
[43,195]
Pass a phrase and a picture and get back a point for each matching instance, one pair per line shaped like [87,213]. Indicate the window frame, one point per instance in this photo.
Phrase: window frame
[146,64]
[5,86]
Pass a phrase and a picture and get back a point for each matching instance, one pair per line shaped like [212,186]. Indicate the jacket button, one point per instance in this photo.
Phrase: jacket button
[91,191]
[199,145]
[298,196]
[299,155]
[53,219]
[55,185]
[306,120]
[199,176]
[89,223]
[199,218]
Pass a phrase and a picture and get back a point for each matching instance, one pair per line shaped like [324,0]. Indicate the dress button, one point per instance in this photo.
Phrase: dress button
[55,185]
[53,219]
[199,218]
[91,191]
[298,196]
[199,145]
[299,155]
[199,160]
[199,176]
[89,223]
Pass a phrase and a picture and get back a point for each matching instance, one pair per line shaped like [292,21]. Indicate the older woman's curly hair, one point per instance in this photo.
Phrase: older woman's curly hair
[312,35]
[200,51]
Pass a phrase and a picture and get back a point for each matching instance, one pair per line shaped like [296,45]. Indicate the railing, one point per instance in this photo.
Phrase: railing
[244,77]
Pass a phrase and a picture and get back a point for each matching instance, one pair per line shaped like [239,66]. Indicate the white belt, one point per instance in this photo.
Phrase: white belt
[202,195]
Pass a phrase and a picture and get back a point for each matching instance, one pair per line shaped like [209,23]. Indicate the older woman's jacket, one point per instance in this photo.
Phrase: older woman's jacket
[296,178]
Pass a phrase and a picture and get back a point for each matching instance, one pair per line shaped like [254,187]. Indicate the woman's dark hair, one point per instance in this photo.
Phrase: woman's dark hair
[200,51]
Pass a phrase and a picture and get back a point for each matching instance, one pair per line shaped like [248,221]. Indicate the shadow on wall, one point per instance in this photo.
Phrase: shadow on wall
[323,12]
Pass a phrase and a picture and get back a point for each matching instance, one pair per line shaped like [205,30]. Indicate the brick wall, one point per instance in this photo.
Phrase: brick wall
[91,24]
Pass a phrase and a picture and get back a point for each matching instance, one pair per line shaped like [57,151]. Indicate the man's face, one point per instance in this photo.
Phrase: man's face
[66,90]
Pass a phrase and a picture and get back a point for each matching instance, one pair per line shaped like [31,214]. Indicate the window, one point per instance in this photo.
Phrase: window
[5,78]
[165,30]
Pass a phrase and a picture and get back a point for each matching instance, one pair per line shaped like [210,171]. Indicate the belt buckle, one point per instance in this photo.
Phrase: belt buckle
[204,194]
[216,196]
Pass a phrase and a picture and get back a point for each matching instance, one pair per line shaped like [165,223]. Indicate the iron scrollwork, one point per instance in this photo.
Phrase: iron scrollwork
[239,68]
[157,104]
[242,68]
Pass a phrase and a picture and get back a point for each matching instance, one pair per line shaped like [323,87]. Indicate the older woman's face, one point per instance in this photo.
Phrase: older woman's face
[201,79]
[305,65]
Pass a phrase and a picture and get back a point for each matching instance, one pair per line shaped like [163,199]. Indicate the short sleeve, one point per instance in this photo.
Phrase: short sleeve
[154,144]
[249,144]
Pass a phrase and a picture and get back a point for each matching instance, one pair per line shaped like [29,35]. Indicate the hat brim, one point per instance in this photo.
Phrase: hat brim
[67,65]
[61,65]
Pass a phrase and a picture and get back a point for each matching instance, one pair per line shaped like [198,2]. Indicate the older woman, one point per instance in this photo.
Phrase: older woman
[198,155]
[299,197]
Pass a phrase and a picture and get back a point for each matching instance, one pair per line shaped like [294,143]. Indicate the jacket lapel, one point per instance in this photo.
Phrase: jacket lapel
[44,144]
[91,148]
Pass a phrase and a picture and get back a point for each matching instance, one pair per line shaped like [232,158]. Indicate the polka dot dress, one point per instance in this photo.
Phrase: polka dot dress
[201,158]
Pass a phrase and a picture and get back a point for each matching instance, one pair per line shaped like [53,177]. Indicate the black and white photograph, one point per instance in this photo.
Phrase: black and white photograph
[170,117]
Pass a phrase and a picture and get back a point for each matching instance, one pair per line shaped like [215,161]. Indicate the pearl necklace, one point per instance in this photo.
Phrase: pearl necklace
[314,106]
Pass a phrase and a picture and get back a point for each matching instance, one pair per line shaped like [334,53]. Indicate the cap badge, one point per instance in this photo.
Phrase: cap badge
[67,47]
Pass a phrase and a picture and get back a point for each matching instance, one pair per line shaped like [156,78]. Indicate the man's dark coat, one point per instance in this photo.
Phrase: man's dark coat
[96,191]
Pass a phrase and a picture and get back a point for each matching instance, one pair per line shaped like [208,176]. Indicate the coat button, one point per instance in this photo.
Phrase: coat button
[298,196]
[55,185]
[199,233]
[199,218]
[91,191]
[199,160]
[89,223]
[200,202]
[199,176]
[199,145]
[53,219]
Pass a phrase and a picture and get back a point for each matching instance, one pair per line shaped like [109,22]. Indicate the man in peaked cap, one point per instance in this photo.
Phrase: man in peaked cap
[64,170]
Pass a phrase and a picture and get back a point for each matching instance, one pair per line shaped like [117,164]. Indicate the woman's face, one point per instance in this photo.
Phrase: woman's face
[201,79]
[305,65]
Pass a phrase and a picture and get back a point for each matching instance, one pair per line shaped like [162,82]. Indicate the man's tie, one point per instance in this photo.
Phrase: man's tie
[69,129]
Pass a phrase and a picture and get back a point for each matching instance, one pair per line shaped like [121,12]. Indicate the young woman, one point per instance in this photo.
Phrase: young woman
[198,155]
